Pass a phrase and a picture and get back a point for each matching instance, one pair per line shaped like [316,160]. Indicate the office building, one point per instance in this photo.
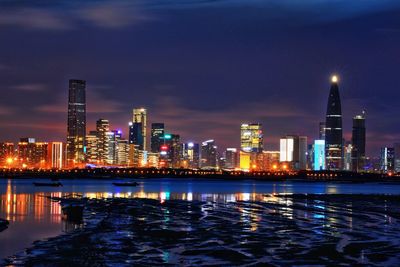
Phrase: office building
[136,135]
[157,132]
[140,116]
[396,157]
[231,156]
[209,155]
[153,160]
[358,141]
[6,154]
[333,129]
[387,159]
[76,128]
[191,155]
[56,155]
[122,152]
[251,137]
[92,146]
[293,150]
[32,154]
[319,155]
[245,160]
[322,127]
[347,160]
[102,128]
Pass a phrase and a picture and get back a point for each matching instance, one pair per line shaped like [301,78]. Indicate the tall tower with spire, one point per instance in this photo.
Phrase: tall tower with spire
[333,128]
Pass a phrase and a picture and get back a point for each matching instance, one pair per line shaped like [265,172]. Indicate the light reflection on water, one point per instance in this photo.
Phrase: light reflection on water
[32,216]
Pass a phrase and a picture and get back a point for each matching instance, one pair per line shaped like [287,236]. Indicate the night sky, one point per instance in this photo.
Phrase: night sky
[202,67]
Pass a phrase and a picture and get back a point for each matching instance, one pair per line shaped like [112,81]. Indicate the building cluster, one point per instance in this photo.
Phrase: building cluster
[159,148]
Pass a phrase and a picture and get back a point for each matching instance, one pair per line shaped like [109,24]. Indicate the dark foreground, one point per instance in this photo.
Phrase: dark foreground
[281,230]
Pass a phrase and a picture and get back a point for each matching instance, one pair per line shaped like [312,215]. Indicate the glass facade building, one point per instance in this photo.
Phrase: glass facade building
[76,126]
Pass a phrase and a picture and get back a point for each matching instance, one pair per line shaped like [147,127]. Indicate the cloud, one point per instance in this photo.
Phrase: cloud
[30,87]
[6,110]
[34,18]
[112,15]
[67,16]
[95,104]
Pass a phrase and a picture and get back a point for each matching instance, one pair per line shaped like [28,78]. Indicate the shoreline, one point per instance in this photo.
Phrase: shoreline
[134,173]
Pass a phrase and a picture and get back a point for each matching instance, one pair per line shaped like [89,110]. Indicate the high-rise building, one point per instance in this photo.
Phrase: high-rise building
[319,155]
[231,158]
[358,142]
[397,157]
[251,137]
[268,160]
[192,155]
[111,140]
[157,132]
[92,145]
[140,116]
[245,160]
[102,128]
[122,152]
[347,160]
[322,127]
[33,154]
[6,154]
[293,149]
[76,129]
[136,135]
[209,154]
[333,129]
[387,159]
[56,155]
[286,149]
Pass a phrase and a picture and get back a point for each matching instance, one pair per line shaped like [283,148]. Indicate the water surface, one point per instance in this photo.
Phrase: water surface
[33,217]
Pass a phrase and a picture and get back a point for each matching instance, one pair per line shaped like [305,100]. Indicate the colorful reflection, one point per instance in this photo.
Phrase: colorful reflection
[15,207]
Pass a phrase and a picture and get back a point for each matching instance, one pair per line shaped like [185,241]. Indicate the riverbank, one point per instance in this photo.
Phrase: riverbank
[280,230]
[143,173]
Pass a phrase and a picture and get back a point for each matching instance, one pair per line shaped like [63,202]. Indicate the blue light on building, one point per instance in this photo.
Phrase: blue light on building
[319,155]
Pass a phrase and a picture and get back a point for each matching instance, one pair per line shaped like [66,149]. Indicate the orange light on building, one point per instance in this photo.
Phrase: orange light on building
[284,167]
[274,167]
[10,160]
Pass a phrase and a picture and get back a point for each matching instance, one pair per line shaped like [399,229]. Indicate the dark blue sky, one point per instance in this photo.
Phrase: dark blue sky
[202,67]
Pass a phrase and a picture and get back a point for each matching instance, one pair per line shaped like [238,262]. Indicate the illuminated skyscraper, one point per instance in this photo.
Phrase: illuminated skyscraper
[387,159]
[397,157]
[76,129]
[92,145]
[136,135]
[140,116]
[358,141]
[56,155]
[293,149]
[157,132]
[231,158]
[192,155]
[251,137]
[111,139]
[322,127]
[333,129]
[102,128]
[209,154]
[319,155]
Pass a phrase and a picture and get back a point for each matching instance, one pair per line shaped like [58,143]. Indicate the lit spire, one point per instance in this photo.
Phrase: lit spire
[334,79]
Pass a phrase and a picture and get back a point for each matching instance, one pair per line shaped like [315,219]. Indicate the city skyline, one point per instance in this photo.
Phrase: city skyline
[223,71]
[139,114]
